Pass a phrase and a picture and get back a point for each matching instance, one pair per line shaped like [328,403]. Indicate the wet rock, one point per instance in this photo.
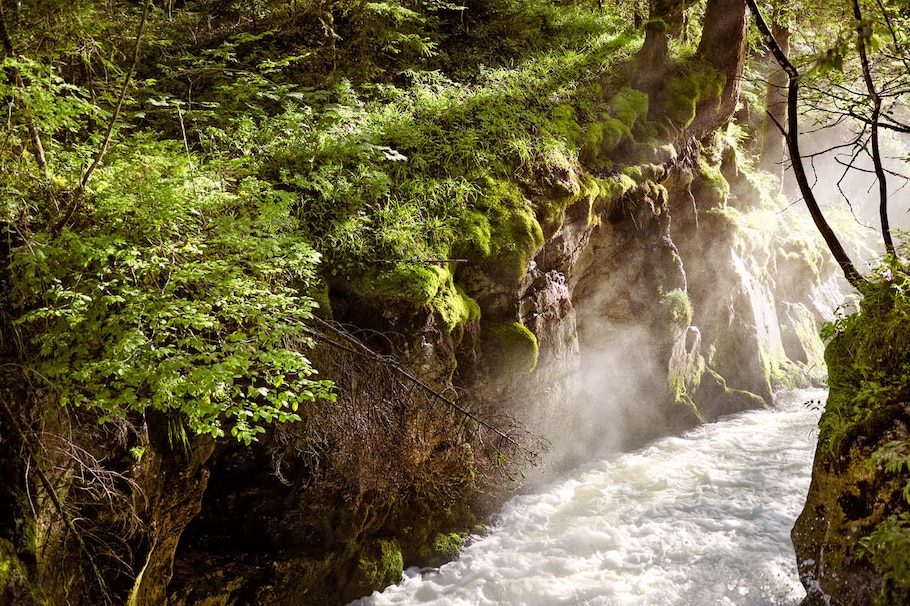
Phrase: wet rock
[848,499]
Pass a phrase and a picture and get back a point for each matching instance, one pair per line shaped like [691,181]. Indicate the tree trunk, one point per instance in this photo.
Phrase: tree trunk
[774,145]
[723,47]
[671,12]
[174,482]
[653,58]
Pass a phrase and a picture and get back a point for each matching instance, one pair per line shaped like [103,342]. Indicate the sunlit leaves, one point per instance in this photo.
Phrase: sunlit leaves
[176,297]
[889,549]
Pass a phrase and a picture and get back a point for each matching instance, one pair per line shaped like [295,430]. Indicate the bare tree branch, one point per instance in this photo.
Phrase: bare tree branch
[861,35]
[793,76]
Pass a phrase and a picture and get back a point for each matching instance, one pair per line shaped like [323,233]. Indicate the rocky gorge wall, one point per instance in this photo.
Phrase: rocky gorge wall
[851,539]
[652,304]
[679,302]
[638,292]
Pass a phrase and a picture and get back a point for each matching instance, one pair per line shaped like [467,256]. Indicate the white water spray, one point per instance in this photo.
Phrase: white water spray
[702,519]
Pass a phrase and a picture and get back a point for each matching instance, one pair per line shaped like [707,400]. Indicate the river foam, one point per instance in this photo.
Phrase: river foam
[697,520]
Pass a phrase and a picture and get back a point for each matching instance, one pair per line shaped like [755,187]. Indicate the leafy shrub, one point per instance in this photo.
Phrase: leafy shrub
[174,295]
[889,549]
[868,355]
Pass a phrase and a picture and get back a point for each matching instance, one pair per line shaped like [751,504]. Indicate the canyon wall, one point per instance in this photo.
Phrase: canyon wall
[660,295]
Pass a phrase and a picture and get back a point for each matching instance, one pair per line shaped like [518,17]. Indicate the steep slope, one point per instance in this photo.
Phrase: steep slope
[527,247]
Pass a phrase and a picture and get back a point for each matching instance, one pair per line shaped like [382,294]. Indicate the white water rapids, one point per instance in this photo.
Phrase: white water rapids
[698,520]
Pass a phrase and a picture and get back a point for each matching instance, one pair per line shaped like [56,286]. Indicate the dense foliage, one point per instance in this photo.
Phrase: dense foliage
[182,182]
[172,220]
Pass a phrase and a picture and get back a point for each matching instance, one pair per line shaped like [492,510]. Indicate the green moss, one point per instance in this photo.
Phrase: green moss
[551,211]
[802,256]
[565,124]
[629,105]
[602,137]
[636,173]
[616,187]
[657,25]
[684,379]
[411,283]
[614,126]
[510,349]
[599,193]
[6,568]
[421,286]
[684,92]
[448,545]
[320,295]
[746,399]
[868,357]
[10,567]
[726,222]
[644,172]
[515,234]
[677,307]
[709,186]
[454,308]
[475,242]
[382,565]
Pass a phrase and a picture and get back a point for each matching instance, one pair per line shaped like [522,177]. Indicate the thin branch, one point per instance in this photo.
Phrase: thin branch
[897,45]
[358,348]
[793,76]
[894,125]
[869,171]
[847,168]
[861,35]
[68,522]
[79,194]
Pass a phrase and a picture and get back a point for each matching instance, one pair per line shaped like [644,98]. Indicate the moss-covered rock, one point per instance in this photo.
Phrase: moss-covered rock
[850,499]
[14,586]
[677,307]
[709,186]
[379,565]
[415,284]
[868,358]
[602,137]
[615,125]
[685,91]
[454,308]
[505,241]
[713,397]
[629,105]
[476,239]
[604,194]
[510,349]
[851,537]
[565,122]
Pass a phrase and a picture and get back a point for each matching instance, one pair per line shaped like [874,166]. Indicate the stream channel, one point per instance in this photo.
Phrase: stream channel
[701,519]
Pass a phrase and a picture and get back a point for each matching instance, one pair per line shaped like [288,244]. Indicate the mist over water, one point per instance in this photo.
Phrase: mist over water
[700,519]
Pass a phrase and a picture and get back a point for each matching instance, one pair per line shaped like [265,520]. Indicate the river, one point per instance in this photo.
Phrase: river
[701,519]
